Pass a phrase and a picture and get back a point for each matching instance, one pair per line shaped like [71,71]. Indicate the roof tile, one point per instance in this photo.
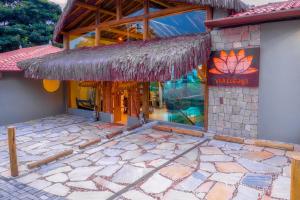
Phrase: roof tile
[8,60]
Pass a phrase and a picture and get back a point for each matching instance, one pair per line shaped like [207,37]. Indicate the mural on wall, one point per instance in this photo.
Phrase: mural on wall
[238,67]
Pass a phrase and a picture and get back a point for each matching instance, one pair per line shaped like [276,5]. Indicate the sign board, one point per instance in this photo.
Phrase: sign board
[238,67]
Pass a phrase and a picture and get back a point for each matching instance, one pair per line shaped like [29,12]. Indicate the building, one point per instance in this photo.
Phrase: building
[210,64]
[24,99]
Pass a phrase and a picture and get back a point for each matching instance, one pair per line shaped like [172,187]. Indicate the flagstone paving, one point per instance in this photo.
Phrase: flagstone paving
[36,139]
[221,171]
[146,164]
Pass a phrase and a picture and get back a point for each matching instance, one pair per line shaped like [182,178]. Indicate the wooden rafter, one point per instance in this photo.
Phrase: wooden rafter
[94,8]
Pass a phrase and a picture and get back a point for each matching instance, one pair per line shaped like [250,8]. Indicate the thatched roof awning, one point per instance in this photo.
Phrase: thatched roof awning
[153,60]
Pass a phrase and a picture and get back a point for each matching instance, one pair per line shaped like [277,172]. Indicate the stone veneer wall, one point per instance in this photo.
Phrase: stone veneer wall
[237,116]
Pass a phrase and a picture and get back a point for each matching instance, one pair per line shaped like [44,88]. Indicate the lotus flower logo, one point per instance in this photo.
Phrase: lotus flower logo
[233,63]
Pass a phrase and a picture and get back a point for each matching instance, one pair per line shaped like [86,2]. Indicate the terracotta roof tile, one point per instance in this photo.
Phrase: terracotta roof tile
[8,60]
[271,7]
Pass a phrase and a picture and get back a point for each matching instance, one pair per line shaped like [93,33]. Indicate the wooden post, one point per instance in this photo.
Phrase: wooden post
[119,9]
[209,15]
[66,41]
[146,20]
[206,98]
[146,96]
[97,30]
[12,151]
[295,179]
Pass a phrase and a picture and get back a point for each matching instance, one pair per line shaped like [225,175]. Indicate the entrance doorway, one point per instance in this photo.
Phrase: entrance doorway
[120,105]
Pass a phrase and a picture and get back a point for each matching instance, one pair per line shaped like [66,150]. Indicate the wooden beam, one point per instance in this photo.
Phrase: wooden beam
[166,5]
[295,179]
[124,33]
[118,9]
[94,8]
[89,143]
[14,171]
[229,139]
[156,14]
[50,159]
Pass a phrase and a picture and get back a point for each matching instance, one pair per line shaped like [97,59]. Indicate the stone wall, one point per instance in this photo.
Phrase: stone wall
[233,110]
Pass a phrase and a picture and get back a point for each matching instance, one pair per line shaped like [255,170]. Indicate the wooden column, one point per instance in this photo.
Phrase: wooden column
[66,41]
[97,30]
[146,96]
[119,9]
[146,20]
[206,97]
[12,151]
[107,96]
[209,15]
[295,179]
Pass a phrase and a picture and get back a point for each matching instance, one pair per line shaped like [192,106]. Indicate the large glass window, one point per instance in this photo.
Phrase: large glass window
[179,101]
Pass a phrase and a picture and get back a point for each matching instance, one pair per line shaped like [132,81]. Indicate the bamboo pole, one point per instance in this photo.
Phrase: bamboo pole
[12,151]
[295,179]
[49,159]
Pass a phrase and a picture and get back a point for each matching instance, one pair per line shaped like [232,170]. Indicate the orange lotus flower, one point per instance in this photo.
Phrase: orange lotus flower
[233,63]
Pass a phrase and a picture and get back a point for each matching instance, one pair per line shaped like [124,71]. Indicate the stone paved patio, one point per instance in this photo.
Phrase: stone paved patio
[146,164]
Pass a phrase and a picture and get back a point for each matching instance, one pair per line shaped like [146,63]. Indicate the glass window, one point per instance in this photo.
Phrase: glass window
[179,101]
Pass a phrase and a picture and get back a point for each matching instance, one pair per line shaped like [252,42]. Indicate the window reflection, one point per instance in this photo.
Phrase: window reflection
[179,101]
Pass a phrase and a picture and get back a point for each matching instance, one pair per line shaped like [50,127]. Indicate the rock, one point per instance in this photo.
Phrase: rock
[109,170]
[129,174]
[176,171]
[156,184]
[258,167]
[209,167]
[39,184]
[83,173]
[29,178]
[215,158]
[211,151]
[58,178]
[246,193]
[108,161]
[80,163]
[136,195]
[128,155]
[278,161]
[58,170]
[112,152]
[146,157]
[88,185]
[109,185]
[257,156]
[58,189]
[230,167]
[192,182]
[178,195]
[232,178]
[89,195]
[281,188]
[220,191]
[259,181]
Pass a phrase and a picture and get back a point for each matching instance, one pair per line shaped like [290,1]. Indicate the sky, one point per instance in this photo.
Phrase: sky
[252,2]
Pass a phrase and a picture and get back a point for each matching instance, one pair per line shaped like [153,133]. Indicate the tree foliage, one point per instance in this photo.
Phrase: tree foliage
[26,23]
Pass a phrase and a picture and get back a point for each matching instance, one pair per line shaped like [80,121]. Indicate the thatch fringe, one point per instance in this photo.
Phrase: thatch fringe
[236,5]
[154,60]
